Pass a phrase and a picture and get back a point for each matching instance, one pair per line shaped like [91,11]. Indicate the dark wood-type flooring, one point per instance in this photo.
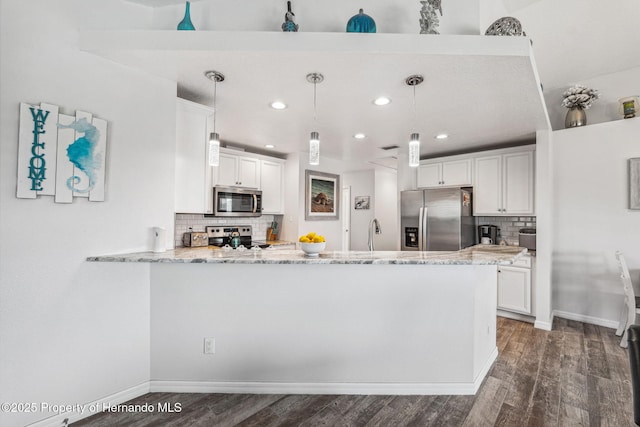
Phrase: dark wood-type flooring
[575,375]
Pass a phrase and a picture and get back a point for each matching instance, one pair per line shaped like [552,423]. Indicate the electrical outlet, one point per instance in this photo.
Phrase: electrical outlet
[209,345]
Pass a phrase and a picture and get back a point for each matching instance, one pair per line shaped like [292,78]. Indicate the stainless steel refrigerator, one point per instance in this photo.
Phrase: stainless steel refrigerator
[437,219]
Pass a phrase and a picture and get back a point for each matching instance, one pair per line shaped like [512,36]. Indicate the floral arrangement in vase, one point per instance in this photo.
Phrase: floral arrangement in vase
[579,96]
[577,99]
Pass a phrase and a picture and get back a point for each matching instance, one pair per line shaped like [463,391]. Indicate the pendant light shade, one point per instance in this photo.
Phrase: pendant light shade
[214,137]
[414,150]
[314,149]
[214,149]
[314,140]
[414,142]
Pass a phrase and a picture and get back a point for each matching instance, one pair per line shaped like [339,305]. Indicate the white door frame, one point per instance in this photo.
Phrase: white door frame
[346,217]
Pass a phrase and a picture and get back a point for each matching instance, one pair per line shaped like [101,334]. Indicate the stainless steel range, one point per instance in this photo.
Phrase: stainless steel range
[232,235]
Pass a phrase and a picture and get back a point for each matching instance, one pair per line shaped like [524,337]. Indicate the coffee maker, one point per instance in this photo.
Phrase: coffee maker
[490,231]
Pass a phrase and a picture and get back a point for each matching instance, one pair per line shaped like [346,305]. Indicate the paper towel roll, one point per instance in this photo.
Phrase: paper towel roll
[159,239]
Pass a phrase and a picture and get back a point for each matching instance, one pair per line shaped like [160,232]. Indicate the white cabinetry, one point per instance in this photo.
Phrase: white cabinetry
[503,183]
[238,171]
[253,171]
[192,174]
[272,186]
[514,286]
[445,173]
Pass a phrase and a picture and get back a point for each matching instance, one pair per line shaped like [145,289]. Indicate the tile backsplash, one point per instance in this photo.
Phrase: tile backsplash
[509,226]
[198,222]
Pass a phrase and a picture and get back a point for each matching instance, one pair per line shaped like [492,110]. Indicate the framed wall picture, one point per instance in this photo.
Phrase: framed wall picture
[634,183]
[362,202]
[322,196]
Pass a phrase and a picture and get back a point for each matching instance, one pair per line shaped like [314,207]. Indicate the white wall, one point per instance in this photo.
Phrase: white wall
[73,331]
[459,16]
[292,184]
[321,326]
[592,219]
[362,183]
[386,209]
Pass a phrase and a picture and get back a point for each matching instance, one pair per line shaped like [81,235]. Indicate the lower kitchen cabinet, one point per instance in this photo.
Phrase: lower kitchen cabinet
[514,286]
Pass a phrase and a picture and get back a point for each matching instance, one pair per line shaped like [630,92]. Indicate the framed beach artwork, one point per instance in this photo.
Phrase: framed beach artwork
[362,202]
[322,196]
[634,183]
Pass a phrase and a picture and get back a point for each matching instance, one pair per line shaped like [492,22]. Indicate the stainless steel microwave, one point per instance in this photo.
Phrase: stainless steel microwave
[234,201]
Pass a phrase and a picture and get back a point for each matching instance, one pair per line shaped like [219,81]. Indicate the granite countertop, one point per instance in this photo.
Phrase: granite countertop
[475,255]
[272,242]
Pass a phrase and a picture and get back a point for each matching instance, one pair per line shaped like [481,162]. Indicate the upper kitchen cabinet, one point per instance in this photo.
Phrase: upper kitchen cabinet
[243,169]
[193,175]
[504,182]
[237,171]
[450,173]
[272,186]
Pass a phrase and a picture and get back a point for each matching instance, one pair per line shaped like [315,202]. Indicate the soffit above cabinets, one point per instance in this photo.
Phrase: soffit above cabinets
[482,91]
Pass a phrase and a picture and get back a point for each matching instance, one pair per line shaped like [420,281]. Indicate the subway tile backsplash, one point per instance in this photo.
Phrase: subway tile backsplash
[198,222]
[509,226]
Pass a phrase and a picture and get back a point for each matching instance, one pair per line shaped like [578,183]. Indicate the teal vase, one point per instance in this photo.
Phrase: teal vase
[361,23]
[186,23]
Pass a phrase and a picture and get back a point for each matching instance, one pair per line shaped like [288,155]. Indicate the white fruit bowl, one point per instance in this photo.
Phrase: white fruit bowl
[312,249]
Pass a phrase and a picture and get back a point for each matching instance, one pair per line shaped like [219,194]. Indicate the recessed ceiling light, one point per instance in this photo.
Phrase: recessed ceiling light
[359,135]
[442,136]
[269,146]
[382,100]
[278,105]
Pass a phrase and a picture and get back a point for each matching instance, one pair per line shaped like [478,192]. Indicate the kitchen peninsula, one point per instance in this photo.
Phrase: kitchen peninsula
[346,322]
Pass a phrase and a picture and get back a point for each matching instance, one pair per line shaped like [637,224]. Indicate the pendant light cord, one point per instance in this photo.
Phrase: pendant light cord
[215,108]
[315,84]
[415,116]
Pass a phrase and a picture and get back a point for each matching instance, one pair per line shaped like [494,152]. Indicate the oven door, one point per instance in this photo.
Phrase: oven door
[230,201]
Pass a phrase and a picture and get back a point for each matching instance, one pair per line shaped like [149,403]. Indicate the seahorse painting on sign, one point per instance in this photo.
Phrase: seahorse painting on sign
[61,155]
[82,153]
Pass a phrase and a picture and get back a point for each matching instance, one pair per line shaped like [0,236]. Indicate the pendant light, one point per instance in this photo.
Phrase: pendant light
[314,140]
[214,138]
[414,142]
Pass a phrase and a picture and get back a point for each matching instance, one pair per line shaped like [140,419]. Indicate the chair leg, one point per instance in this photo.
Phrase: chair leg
[622,325]
[623,341]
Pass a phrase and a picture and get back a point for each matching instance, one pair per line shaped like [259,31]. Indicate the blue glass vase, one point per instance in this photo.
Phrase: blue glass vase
[361,23]
[186,23]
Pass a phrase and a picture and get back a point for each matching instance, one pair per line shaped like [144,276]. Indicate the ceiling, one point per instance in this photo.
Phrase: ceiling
[482,91]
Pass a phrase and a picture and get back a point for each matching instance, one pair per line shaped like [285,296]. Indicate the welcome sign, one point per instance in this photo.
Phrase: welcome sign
[60,155]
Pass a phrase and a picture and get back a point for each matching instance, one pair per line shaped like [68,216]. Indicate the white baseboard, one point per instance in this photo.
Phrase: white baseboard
[485,370]
[516,316]
[97,406]
[154,386]
[313,388]
[252,387]
[613,324]
[545,326]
